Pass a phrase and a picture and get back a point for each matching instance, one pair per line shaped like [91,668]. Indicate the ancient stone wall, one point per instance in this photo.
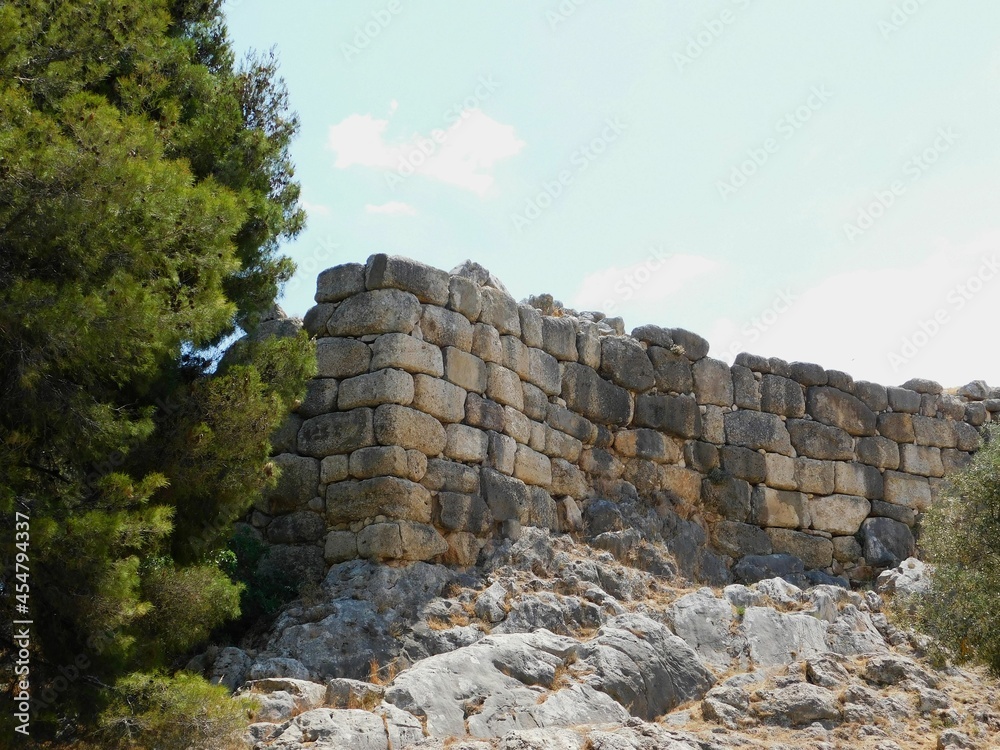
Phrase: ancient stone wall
[445,415]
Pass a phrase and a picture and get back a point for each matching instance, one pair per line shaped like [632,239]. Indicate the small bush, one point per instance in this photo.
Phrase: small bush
[961,538]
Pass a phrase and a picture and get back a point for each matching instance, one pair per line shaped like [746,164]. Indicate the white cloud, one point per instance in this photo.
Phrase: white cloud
[315,209]
[462,154]
[926,319]
[637,291]
[393,208]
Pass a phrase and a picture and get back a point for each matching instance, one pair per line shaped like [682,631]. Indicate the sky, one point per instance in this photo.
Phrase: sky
[809,180]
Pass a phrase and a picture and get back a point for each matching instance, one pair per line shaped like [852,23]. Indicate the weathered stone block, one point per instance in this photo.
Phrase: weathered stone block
[815,552]
[464,370]
[560,445]
[588,345]
[907,490]
[300,527]
[465,443]
[821,441]
[573,424]
[503,386]
[420,541]
[950,407]
[954,460]
[395,272]
[407,353]
[782,396]
[394,497]
[976,414]
[506,496]
[501,451]
[285,439]
[673,371]
[728,496]
[381,311]
[416,463]
[559,338]
[531,325]
[806,373]
[676,415]
[839,514]
[536,403]
[780,472]
[409,428]
[846,549]
[683,485]
[463,549]
[899,513]
[921,459]
[922,385]
[814,476]
[886,542]
[596,399]
[756,430]
[643,475]
[499,310]
[713,382]
[873,395]
[486,343]
[340,282]
[743,463]
[842,381]
[624,362]
[532,467]
[738,539]
[517,425]
[448,476]
[897,427]
[483,413]
[542,509]
[379,461]
[439,398]
[544,372]
[380,541]
[321,397]
[334,468]
[834,407]
[298,483]
[341,358]
[340,432]
[464,297]
[647,444]
[316,317]
[770,507]
[446,328]
[746,388]
[928,405]
[858,479]
[653,335]
[374,388]
[701,456]
[461,512]
[514,355]
[340,546]
[713,424]
[567,479]
[934,432]
[695,347]
[878,451]
[601,463]
[903,400]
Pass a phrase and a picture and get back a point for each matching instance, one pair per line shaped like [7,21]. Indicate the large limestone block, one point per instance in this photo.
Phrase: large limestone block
[757,430]
[780,472]
[439,398]
[738,539]
[746,388]
[782,396]
[601,463]
[379,461]
[933,431]
[713,382]
[567,479]
[464,297]
[878,451]
[420,541]
[654,335]
[446,328]
[407,353]
[588,344]
[675,415]
[896,427]
[507,497]
[486,343]
[381,311]
[409,428]
[858,479]
[340,282]
[543,511]
[340,432]
[834,407]
[298,483]
[462,512]
[544,372]
[815,440]
[501,451]
[744,463]
[967,437]
[464,370]
[571,423]
[484,413]
[532,467]
[560,445]
[340,546]
[321,398]
[374,388]
[394,497]
[380,541]
[514,356]
[648,444]
[499,311]
[806,373]
[907,490]
[316,317]
[300,527]
[559,338]
[341,358]
[781,508]
[465,443]
[531,325]
[503,386]
[921,459]
[624,362]
[673,371]
[903,400]
[593,397]
[683,485]
[886,543]
[694,346]
[873,395]
[727,496]
[814,551]
[815,476]
[449,476]
[713,424]
[334,468]
[839,514]
[394,272]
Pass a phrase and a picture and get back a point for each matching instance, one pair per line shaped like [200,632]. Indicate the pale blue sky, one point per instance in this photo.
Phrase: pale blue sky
[645,111]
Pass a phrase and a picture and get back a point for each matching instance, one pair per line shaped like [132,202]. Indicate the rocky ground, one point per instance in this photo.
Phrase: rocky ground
[553,644]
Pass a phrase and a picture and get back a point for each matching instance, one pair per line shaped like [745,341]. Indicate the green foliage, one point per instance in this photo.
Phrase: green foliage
[961,536]
[181,712]
[145,187]
[265,589]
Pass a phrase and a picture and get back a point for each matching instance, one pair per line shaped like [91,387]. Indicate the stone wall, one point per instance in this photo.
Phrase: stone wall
[445,416]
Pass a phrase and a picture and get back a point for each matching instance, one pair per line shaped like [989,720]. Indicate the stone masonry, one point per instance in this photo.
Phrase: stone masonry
[444,415]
